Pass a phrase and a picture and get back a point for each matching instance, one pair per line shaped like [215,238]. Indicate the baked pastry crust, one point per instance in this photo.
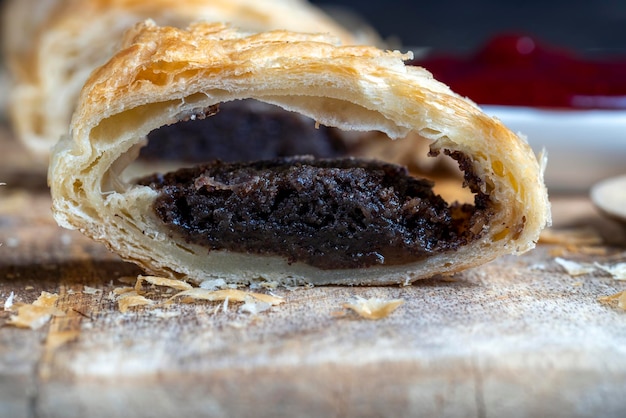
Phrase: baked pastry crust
[163,75]
[51,46]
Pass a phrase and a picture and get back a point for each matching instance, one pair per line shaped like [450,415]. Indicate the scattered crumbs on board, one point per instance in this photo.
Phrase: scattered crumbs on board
[128,297]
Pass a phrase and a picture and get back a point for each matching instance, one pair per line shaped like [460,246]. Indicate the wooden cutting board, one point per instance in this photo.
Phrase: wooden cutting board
[516,337]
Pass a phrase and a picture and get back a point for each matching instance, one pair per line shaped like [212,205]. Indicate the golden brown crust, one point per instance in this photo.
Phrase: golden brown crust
[51,46]
[164,74]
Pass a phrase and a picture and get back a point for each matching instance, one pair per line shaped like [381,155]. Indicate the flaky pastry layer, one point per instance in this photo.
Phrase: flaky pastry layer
[51,46]
[163,75]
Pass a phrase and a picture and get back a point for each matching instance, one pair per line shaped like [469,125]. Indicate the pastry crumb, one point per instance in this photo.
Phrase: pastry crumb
[9,302]
[254,306]
[88,290]
[574,268]
[132,299]
[619,297]
[374,308]
[233,295]
[37,314]
[162,281]
[617,271]
[121,290]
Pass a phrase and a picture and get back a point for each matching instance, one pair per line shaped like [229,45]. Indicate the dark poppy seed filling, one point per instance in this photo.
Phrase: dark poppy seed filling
[244,130]
[328,213]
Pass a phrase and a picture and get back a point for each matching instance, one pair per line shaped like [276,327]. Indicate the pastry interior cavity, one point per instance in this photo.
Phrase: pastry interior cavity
[293,192]
[244,130]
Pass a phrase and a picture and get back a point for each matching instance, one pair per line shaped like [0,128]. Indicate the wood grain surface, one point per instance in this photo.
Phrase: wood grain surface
[516,337]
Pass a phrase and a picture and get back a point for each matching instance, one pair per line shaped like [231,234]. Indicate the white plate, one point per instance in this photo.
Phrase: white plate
[584,146]
[610,197]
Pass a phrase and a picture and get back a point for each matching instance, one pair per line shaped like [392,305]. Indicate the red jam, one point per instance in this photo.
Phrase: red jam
[517,71]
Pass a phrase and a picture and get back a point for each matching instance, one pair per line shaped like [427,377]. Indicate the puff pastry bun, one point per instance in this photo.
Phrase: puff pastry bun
[164,75]
[51,46]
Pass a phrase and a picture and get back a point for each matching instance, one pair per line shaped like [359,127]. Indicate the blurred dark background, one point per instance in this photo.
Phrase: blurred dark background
[590,26]
[462,25]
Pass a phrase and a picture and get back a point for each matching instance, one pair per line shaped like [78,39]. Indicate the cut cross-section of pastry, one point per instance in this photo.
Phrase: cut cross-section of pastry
[295,219]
